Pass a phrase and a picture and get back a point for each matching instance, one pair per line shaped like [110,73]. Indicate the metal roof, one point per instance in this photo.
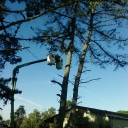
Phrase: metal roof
[105,112]
[110,114]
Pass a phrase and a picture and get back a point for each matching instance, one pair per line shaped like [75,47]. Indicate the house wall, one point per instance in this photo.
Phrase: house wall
[93,120]
[87,119]
[117,123]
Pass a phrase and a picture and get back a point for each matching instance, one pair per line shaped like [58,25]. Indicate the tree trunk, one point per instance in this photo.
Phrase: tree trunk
[64,91]
[72,119]
[63,97]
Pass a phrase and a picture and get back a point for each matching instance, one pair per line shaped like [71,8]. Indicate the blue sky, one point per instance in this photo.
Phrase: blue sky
[109,93]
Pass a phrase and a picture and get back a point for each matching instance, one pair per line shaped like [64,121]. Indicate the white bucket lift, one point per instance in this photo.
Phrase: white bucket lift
[59,64]
[50,59]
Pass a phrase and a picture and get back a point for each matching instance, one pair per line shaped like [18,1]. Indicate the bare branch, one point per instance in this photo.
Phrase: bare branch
[114,58]
[79,102]
[86,71]
[22,15]
[54,81]
[58,95]
[90,80]
[68,80]
[79,97]
[60,75]
[58,101]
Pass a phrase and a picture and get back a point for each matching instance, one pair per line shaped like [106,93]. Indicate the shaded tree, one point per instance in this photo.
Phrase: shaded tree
[20,114]
[36,118]
[5,91]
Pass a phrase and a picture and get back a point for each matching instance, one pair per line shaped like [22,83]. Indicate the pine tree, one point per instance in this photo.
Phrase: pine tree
[95,26]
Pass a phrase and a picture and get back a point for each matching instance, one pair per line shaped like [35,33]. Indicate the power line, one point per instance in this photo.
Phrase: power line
[32,54]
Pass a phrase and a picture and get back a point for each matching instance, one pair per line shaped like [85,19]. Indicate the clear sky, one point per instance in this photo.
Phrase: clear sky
[109,93]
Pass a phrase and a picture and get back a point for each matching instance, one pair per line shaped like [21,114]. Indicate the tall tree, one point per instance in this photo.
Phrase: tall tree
[10,39]
[9,36]
[99,52]
[96,25]
[69,27]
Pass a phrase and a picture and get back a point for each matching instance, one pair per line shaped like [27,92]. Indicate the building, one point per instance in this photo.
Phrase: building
[94,118]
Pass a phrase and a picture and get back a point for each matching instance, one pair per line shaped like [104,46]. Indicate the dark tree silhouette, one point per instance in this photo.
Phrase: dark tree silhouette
[5,91]
[88,29]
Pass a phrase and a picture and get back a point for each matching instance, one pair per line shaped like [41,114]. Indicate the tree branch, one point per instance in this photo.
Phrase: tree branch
[54,81]
[68,80]
[36,16]
[90,80]
[114,58]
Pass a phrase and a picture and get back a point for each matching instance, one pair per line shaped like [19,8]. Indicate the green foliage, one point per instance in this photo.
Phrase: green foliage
[20,114]
[122,112]
[68,104]
[4,122]
[36,119]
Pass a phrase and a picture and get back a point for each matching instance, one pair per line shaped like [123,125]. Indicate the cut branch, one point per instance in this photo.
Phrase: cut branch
[54,81]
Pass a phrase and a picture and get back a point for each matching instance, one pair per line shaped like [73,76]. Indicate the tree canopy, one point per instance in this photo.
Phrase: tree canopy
[122,111]
[91,30]
[36,118]
[20,114]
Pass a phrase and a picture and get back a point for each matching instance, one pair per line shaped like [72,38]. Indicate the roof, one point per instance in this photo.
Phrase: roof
[105,112]
[98,111]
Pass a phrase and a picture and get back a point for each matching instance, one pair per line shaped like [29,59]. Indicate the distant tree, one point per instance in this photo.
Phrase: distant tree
[32,121]
[122,111]
[51,112]
[68,104]
[20,114]
[36,119]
